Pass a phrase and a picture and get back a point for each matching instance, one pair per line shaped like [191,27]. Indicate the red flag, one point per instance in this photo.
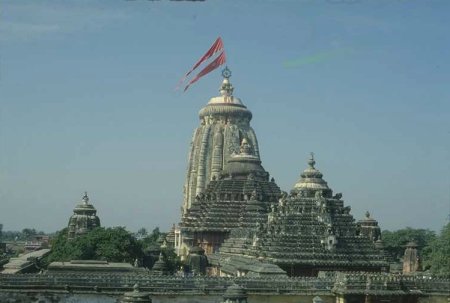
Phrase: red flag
[209,68]
[216,47]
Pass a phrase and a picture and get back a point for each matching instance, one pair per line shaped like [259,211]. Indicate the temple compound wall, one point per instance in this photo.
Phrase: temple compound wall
[45,297]
[104,288]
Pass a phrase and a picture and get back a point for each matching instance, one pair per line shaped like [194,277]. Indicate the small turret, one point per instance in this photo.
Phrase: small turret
[197,261]
[136,296]
[245,164]
[160,266]
[235,294]
[369,228]
[311,181]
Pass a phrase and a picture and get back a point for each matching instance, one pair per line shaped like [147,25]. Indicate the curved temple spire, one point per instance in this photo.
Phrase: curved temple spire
[224,123]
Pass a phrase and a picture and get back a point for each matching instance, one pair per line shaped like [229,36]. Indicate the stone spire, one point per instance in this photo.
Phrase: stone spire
[224,123]
[411,260]
[84,218]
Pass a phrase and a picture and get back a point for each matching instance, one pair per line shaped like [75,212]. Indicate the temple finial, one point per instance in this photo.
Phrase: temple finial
[367,214]
[311,161]
[226,89]
[85,198]
[226,73]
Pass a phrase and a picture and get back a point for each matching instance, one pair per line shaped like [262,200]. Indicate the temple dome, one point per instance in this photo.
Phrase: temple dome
[244,164]
[226,95]
[225,104]
[85,208]
[311,178]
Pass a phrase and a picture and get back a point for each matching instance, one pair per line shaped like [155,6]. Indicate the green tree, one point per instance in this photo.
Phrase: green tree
[111,244]
[154,236]
[173,262]
[28,233]
[395,241]
[440,253]
[152,243]
[11,235]
[141,233]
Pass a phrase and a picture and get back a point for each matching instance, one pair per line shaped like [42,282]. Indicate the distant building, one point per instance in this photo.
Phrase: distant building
[38,242]
[84,218]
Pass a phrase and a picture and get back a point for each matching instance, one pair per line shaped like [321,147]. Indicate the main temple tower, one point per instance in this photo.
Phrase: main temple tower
[224,123]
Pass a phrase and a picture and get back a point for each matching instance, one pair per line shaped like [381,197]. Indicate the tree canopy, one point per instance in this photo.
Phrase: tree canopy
[395,241]
[112,244]
[439,257]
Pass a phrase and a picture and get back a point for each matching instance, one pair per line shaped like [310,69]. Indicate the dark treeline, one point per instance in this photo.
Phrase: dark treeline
[25,235]
[434,248]
[114,244]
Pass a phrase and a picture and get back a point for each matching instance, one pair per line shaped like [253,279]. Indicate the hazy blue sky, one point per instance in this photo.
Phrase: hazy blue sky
[87,102]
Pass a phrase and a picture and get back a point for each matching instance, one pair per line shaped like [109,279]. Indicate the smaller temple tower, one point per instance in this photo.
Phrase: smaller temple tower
[307,231]
[411,260]
[84,219]
[197,261]
[369,227]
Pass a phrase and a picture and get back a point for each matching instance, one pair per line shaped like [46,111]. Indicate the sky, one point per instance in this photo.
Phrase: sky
[87,103]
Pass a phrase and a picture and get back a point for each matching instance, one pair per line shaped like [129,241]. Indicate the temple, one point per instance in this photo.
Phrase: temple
[235,212]
[84,218]
[307,231]
[241,239]
[369,228]
[224,173]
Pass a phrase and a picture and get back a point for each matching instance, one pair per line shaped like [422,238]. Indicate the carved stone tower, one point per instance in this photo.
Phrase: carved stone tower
[411,260]
[224,123]
[84,219]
